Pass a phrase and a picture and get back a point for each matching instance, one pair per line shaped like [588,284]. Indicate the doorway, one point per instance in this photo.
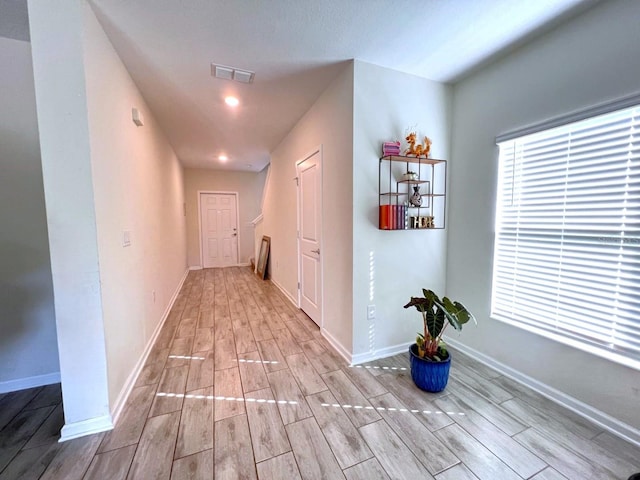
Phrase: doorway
[218,229]
[309,179]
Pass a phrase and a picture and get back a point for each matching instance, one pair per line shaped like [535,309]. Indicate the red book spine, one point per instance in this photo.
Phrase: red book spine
[384,217]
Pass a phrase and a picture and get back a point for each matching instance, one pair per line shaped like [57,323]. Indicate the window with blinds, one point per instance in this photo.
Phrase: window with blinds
[567,246]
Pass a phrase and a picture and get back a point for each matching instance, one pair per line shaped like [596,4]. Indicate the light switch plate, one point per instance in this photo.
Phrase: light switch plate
[371,312]
[126,238]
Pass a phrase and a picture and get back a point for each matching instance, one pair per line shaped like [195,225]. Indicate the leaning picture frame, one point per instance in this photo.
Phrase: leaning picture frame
[263,257]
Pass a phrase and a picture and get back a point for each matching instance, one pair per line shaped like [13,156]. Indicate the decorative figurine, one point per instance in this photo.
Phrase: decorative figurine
[418,150]
[416,198]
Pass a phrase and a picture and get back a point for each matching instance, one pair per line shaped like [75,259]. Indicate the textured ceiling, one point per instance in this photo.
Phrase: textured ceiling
[296,47]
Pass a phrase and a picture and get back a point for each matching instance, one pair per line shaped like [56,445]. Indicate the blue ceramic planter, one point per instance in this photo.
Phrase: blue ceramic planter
[428,375]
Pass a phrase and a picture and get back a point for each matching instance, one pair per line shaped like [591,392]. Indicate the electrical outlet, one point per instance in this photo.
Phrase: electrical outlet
[371,312]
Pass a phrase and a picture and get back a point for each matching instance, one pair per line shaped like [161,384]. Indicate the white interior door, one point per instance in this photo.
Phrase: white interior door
[310,222]
[219,229]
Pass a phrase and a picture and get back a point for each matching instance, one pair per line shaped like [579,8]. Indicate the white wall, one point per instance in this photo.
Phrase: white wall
[102,176]
[328,123]
[386,103]
[363,107]
[138,187]
[28,345]
[248,185]
[591,59]
[63,123]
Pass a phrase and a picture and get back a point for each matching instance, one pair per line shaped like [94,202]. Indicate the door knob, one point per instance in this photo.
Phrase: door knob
[316,251]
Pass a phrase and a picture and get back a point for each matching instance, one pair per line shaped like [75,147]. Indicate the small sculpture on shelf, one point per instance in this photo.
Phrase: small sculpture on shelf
[418,150]
[416,198]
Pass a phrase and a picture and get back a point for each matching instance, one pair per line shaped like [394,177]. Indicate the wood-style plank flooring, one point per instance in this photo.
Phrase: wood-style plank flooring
[241,385]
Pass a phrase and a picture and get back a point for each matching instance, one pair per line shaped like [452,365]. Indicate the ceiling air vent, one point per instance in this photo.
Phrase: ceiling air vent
[243,76]
[231,73]
[219,71]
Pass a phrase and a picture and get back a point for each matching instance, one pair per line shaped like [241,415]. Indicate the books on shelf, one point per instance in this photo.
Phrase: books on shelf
[385,221]
[390,148]
[393,217]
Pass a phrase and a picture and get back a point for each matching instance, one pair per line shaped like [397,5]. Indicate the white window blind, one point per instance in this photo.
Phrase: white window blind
[567,247]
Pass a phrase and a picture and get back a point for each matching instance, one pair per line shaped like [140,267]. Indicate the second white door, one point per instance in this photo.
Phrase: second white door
[310,210]
[219,229]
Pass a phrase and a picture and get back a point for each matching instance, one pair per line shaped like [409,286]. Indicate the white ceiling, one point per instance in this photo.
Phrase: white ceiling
[296,47]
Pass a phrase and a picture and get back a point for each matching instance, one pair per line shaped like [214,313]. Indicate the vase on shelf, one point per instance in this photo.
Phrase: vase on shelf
[416,198]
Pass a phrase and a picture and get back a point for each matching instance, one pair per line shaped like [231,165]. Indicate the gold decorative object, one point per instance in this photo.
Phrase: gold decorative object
[418,150]
[427,221]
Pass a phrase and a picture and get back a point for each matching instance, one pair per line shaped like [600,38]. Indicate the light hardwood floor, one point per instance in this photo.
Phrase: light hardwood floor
[241,385]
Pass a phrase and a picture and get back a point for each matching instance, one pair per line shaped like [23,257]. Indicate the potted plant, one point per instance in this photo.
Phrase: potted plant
[430,360]
[410,176]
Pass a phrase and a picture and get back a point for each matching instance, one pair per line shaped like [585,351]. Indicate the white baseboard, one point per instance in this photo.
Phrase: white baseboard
[29,382]
[380,353]
[606,421]
[285,293]
[121,400]
[344,353]
[85,427]
[199,267]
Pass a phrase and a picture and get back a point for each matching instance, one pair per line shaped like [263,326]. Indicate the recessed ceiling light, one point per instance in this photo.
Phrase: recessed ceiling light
[231,101]
[223,158]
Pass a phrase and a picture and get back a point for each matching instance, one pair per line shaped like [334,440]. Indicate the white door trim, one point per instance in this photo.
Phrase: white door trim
[318,150]
[218,192]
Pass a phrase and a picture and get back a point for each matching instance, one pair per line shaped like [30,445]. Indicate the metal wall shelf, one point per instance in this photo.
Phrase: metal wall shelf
[400,214]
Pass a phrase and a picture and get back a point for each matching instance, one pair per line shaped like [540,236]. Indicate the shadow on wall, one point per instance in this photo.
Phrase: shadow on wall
[26,298]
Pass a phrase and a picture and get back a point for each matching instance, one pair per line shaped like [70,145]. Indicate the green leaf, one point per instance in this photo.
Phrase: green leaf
[456,313]
[435,322]
[430,297]
[463,314]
